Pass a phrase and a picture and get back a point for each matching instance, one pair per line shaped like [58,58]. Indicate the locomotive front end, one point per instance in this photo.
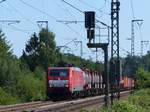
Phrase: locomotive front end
[57,82]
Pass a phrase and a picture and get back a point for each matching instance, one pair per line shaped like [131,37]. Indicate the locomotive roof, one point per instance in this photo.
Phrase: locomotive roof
[75,68]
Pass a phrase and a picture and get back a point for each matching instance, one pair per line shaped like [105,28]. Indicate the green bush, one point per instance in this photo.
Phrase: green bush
[125,106]
[141,98]
[5,98]
[138,102]
[143,79]
[30,88]
[40,73]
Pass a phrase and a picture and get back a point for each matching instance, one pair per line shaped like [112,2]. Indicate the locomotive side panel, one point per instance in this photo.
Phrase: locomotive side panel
[76,80]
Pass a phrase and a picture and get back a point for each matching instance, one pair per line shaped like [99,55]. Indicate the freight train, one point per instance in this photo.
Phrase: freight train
[75,82]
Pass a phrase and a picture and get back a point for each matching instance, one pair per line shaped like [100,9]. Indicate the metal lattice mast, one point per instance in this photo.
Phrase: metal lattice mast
[132,38]
[115,67]
[115,28]
[133,34]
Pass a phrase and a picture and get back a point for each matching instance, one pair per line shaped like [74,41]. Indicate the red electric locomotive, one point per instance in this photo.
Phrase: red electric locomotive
[64,81]
[72,82]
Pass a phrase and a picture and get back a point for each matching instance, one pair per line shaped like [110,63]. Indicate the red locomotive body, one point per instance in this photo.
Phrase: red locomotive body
[128,82]
[64,81]
[73,81]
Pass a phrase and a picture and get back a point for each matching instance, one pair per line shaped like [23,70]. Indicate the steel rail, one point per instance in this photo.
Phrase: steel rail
[58,106]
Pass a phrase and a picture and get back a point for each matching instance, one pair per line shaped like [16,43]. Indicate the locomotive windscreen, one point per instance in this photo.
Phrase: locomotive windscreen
[59,72]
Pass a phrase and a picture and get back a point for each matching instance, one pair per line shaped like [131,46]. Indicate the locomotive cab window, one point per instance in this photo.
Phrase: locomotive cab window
[59,73]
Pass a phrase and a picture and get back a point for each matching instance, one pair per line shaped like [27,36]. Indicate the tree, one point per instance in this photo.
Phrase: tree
[40,50]
[5,48]
[143,78]
[9,66]
[7,60]
[131,65]
[146,61]
[31,52]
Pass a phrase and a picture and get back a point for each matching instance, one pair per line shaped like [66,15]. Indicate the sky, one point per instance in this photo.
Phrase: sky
[28,12]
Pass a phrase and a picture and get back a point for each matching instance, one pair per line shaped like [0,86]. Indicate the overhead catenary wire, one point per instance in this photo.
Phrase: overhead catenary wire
[2,1]
[133,14]
[125,50]
[22,30]
[132,9]
[72,29]
[98,9]
[37,9]
[83,13]
[73,6]
[12,27]
[49,15]
[65,9]
[17,11]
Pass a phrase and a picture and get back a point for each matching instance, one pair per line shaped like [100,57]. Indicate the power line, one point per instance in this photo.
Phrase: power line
[70,41]
[73,6]
[83,13]
[37,9]
[65,9]
[72,29]
[103,6]
[98,9]
[16,29]
[124,50]
[2,1]
[52,17]
[131,3]
[21,30]
[17,11]
[66,23]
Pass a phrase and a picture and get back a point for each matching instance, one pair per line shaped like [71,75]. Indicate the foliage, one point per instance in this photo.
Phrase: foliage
[6,98]
[137,102]
[143,78]
[79,62]
[23,80]
[125,106]
[120,106]
[131,65]
[146,61]
[141,98]
[40,50]
[30,88]
[16,79]
[39,73]
[9,66]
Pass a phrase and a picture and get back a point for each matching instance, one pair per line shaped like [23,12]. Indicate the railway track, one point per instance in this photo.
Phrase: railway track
[77,105]
[24,106]
[61,106]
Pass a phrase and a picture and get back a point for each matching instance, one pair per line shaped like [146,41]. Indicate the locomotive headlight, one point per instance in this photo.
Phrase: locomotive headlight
[66,85]
[50,85]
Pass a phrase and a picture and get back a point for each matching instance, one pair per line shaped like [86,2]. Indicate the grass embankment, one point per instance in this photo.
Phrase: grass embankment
[137,102]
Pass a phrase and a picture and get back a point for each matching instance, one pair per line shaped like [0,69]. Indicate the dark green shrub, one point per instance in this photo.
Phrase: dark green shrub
[143,79]
[30,88]
[5,98]
[141,98]
[125,106]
